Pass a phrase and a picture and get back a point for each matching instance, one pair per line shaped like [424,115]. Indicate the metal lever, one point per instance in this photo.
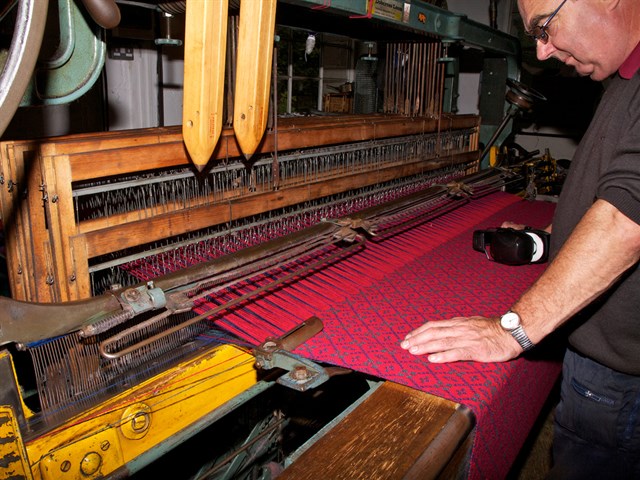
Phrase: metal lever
[302,374]
[521,98]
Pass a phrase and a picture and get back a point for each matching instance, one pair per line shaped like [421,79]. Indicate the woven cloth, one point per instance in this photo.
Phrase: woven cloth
[370,301]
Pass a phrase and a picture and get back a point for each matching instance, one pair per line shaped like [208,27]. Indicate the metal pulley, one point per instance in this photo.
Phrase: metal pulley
[520,98]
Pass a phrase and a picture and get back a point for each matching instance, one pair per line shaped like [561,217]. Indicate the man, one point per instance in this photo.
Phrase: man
[593,282]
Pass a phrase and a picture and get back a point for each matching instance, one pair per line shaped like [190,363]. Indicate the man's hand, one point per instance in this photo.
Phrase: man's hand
[478,339]
[522,226]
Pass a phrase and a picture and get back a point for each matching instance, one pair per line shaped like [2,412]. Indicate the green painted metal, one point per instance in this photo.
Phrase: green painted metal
[492,105]
[425,18]
[73,68]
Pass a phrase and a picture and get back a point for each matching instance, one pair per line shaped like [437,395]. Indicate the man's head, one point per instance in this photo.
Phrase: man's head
[593,36]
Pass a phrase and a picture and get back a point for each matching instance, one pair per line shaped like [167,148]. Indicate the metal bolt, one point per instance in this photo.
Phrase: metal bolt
[269,346]
[300,372]
[132,295]
[65,466]
[140,422]
[91,463]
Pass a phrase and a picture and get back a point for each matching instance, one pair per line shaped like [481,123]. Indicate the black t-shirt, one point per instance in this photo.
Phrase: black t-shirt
[606,166]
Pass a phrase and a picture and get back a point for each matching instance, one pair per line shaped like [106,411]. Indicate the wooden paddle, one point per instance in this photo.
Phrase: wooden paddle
[204,64]
[253,73]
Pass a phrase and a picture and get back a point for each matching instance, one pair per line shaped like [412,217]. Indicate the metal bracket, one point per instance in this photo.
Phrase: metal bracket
[350,227]
[143,298]
[302,374]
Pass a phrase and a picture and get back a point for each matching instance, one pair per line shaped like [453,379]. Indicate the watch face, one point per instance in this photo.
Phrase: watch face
[510,320]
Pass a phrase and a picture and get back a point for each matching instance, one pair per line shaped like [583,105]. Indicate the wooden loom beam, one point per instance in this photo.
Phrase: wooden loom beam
[168,151]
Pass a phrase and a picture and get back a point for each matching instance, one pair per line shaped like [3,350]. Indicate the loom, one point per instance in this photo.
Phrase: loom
[161,278]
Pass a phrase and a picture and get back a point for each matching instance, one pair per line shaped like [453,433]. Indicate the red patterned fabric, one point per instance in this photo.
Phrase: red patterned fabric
[369,301]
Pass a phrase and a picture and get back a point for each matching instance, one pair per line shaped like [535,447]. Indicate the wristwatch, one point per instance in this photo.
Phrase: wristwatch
[510,322]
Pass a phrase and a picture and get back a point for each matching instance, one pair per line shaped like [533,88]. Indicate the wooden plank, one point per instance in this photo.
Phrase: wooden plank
[253,73]
[79,277]
[84,143]
[61,226]
[39,264]
[131,159]
[204,66]
[104,154]
[16,236]
[396,433]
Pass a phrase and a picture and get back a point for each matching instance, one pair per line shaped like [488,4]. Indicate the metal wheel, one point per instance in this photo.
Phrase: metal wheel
[21,60]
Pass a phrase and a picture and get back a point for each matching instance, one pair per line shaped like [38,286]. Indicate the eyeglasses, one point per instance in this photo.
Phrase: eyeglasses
[539,32]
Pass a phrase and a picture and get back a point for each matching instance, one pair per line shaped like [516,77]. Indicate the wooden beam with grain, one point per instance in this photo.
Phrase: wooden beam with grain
[204,65]
[253,73]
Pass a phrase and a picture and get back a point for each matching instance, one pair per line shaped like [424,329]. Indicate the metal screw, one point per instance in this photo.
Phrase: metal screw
[300,372]
[140,422]
[132,295]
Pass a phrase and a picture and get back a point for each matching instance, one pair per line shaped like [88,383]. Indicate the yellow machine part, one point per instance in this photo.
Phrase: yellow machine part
[107,437]
[13,457]
[494,152]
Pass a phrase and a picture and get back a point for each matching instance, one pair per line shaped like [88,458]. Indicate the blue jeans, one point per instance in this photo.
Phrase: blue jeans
[597,422]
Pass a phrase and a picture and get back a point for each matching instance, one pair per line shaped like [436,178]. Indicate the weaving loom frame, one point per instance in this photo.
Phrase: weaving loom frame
[49,253]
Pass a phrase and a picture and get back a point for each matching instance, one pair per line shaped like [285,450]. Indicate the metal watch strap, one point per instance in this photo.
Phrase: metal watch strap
[521,337]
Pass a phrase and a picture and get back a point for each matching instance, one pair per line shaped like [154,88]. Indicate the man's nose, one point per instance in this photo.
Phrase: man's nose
[545,51]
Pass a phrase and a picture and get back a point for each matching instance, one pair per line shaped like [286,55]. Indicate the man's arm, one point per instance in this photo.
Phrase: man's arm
[602,247]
